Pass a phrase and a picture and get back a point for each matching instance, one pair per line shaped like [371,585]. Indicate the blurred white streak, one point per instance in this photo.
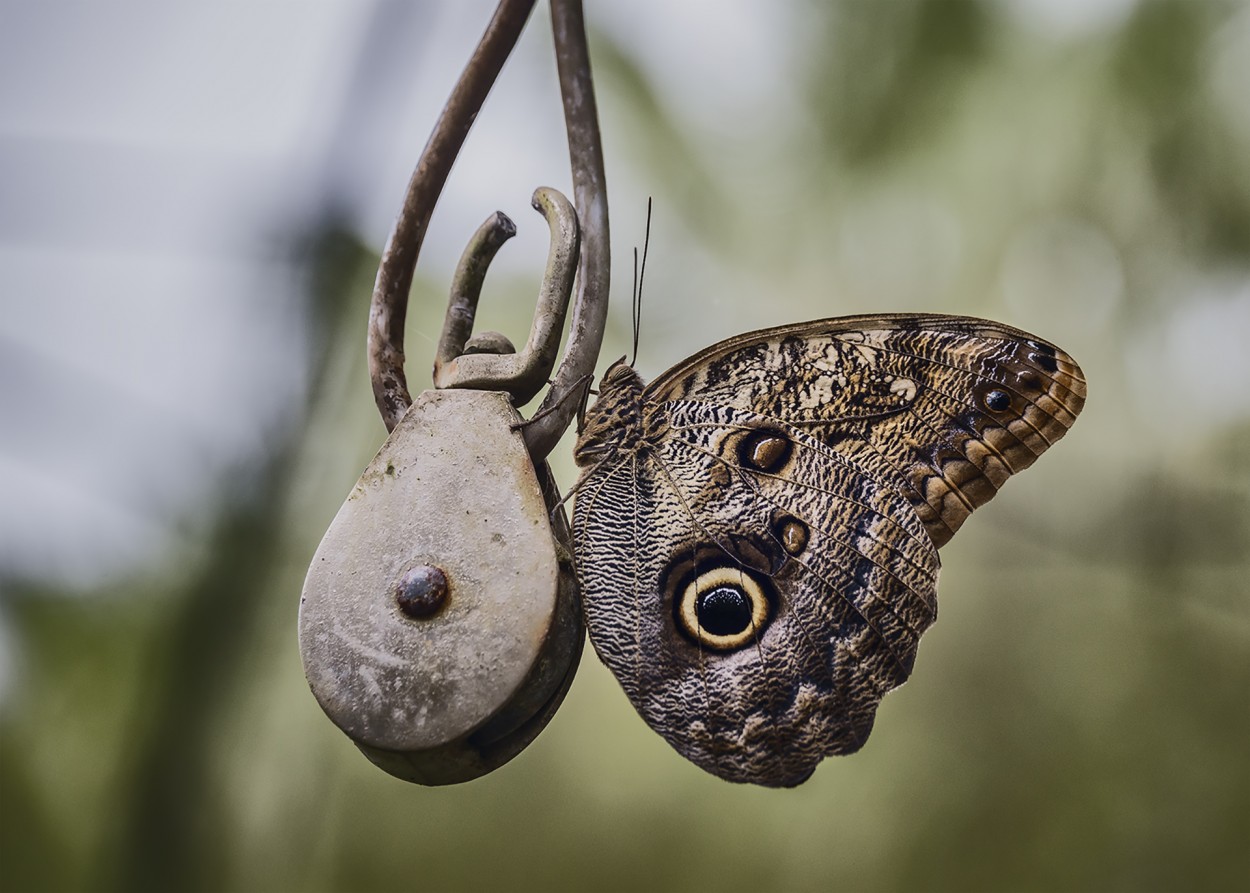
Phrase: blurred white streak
[133,383]
[1190,375]
[151,338]
[1071,19]
[230,78]
[1064,271]
[1229,72]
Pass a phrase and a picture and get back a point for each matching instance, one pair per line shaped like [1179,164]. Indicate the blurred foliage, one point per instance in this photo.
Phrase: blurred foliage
[1077,720]
[891,71]
[1200,168]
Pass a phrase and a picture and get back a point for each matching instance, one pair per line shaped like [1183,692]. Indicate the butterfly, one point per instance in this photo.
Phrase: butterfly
[756,531]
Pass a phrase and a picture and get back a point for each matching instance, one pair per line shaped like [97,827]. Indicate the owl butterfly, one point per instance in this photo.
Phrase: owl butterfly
[756,531]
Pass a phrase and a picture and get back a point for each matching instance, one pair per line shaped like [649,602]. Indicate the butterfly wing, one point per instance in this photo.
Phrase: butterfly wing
[757,566]
[840,563]
[955,405]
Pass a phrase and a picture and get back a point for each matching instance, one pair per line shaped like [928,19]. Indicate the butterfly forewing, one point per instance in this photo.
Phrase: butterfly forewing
[756,531]
[955,404]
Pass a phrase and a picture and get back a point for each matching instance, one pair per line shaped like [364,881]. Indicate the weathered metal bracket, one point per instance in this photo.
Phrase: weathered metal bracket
[439,624]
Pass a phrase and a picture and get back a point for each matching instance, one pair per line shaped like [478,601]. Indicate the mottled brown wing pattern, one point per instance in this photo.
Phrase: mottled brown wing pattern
[756,532]
[957,405]
[843,560]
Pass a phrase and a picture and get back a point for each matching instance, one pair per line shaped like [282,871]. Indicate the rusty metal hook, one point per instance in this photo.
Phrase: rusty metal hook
[522,374]
[395,272]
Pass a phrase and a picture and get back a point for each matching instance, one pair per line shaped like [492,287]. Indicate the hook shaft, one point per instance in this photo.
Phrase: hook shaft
[395,273]
[590,310]
[466,288]
[399,259]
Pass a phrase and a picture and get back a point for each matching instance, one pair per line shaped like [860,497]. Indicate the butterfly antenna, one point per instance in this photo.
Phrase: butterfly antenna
[634,309]
[639,273]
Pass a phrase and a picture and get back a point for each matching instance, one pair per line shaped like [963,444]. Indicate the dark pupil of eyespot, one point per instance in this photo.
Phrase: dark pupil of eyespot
[724,611]
[997,401]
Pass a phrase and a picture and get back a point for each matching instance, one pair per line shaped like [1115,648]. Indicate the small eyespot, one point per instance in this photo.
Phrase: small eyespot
[723,609]
[997,401]
[1046,361]
[764,450]
[791,533]
[1029,381]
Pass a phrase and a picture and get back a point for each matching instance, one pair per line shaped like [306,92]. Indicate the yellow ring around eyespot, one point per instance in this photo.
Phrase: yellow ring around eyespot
[706,582]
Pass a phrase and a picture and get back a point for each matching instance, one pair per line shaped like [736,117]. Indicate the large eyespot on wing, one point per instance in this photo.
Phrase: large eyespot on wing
[723,608]
[955,405]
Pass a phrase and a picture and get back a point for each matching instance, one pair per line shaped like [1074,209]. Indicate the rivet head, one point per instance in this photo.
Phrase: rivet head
[489,342]
[421,591]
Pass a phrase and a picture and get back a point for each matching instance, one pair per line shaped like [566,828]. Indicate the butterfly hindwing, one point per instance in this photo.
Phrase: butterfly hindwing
[756,531]
[844,564]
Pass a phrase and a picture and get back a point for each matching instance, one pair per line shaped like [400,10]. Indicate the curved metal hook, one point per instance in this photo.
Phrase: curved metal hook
[590,310]
[522,374]
[395,273]
[466,288]
[399,258]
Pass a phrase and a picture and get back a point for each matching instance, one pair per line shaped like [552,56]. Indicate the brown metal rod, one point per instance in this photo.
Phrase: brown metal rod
[399,258]
[521,374]
[590,310]
[466,288]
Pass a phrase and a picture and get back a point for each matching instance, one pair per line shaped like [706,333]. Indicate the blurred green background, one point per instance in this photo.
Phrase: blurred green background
[1077,720]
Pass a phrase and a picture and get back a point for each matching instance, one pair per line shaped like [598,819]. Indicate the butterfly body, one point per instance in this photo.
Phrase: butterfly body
[757,529]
